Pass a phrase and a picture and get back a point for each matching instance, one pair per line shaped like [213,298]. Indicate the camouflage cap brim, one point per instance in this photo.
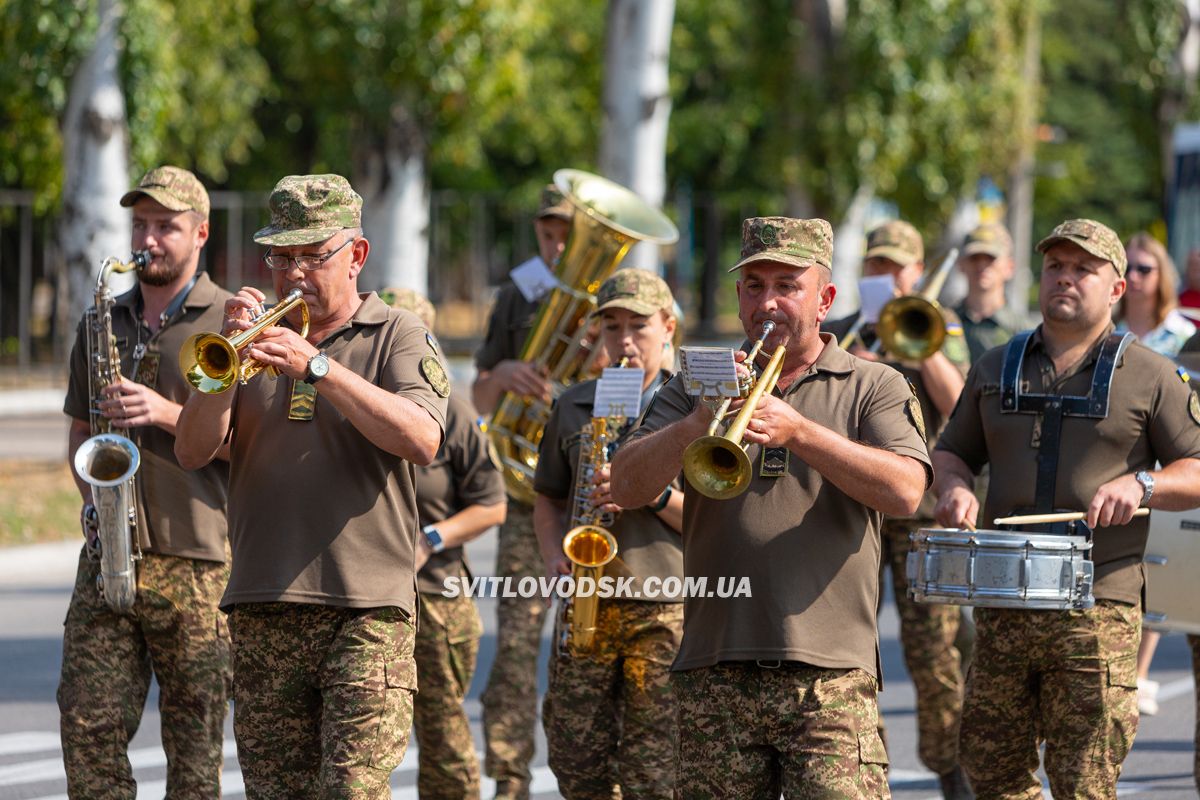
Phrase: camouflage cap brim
[1089,245]
[778,258]
[629,304]
[898,254]
[161,196]
[562,211]
[994,249]
[274,236]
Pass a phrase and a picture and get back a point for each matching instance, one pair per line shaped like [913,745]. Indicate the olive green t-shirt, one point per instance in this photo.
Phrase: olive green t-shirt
[317,513]
[461,475]
[180,512]
[509,325]
[647,545]
[954,347]
[810,552]
[1148,421]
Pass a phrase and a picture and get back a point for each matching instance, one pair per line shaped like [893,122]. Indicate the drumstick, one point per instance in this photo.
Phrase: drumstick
[1066,516]
[969,525]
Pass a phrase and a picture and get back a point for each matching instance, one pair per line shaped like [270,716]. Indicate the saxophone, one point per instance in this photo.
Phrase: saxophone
[107,461]
[588,544]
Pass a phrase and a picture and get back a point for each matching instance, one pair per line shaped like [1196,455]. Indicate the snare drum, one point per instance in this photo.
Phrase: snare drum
[1172,569]
[1000,569]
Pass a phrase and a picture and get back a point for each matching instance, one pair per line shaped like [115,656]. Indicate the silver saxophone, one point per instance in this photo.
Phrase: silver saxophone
[108,461]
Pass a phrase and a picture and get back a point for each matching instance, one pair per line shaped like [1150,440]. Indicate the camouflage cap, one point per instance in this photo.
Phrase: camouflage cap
[1097,239]
[896,240]
[798,242]
[410,300]
[554,204]
[172,187]
[637,290]
[307,209]
[991,239]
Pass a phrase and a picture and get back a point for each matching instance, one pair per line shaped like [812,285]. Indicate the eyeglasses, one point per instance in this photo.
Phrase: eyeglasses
[305,263]
[1142,269]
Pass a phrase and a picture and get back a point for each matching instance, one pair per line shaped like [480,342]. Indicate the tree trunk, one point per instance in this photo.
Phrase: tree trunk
[394,186]
[848,246]
[1020,182]
[93,226]
[637,104]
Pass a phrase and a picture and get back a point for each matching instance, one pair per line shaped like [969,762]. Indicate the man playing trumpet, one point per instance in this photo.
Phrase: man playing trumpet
[609,706]
[323,518]
[777,691]
[1070,417]
[927,632]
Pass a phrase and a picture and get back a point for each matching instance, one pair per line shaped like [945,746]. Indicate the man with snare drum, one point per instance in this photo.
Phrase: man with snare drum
[1070,417]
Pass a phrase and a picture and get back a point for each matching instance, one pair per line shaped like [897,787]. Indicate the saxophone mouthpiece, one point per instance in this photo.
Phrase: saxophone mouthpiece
[141,259]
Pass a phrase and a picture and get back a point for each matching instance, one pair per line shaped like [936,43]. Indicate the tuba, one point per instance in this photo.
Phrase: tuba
[608,220]
[210,362]
[108,461]
[717,465]
[589,545]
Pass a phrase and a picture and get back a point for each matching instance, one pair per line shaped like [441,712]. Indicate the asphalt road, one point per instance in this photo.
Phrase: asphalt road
[35,587]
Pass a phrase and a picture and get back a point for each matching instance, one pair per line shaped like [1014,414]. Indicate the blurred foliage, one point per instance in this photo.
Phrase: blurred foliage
[918,98]
[191,74]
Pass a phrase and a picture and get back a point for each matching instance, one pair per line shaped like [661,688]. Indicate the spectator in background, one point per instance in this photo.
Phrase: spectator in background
[987,263]
[1149,308]
[1190,297]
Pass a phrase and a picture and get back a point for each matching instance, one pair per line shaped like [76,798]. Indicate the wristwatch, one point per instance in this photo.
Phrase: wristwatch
[318,367]
[1147,481]
[433,539]
[663,499]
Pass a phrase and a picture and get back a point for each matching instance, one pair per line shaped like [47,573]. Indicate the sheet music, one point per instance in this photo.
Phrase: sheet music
[618,393]
[709,371]
[533,279]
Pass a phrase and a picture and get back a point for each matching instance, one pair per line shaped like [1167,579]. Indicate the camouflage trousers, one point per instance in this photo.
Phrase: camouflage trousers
[510,699]
[447,642]
[323,699]
[750,730]
[927,635]
[1194,641]
[1068,678]
[174,632]
[610,715]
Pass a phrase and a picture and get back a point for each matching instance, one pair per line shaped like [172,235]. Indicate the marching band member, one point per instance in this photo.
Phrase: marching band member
[1070,417]
[609,712]
[323,518]
[927,632]
[459,496]
[174,630]
[777,691]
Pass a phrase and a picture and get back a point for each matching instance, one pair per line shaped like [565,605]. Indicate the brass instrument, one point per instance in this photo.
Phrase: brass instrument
[608,220]
[210,361]
[911,327]
[108,461]
[717,466]
[588,545]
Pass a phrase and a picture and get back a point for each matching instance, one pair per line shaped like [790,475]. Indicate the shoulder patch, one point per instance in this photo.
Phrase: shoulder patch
[913,407]
[954,346]
[435,375]
[1194,407]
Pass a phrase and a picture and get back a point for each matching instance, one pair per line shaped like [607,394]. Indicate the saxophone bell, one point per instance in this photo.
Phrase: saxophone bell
[107,462]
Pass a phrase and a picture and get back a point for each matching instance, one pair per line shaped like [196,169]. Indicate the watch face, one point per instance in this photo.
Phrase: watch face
[319,366]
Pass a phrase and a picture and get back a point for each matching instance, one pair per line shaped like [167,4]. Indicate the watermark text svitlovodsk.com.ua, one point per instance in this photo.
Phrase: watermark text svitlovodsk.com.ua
[606,587]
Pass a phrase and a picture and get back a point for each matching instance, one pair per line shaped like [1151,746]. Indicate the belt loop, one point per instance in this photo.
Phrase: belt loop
[769,663]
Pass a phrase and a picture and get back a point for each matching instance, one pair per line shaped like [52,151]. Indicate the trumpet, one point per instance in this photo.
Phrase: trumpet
[717,466]
[911,327]
[210,361]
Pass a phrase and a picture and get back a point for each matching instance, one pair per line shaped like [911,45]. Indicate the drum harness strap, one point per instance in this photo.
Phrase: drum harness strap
[1053,407]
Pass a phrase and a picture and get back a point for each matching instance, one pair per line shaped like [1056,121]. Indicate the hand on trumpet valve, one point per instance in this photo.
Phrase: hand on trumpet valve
[283,349]
[957,508]
[774,423]
[1115,502]
[241,309]
[601,496]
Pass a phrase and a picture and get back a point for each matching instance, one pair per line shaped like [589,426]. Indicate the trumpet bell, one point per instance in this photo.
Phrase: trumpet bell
[590,546]
[717,467]
[209,363]
[912,328]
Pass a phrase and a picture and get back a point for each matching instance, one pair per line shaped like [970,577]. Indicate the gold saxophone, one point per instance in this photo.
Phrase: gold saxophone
[608,220]
[588,544]
[108,461]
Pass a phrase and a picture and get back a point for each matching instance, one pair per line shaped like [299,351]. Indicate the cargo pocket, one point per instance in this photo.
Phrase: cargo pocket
[463,632]
[396,714]
[1120,712]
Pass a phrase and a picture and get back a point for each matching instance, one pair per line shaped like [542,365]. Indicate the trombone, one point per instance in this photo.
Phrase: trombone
[210,361]
[717,466]
[911,327]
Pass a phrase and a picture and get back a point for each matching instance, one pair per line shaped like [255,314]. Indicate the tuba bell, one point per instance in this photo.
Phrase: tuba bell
[717,465]
[210,361]
[608,220]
